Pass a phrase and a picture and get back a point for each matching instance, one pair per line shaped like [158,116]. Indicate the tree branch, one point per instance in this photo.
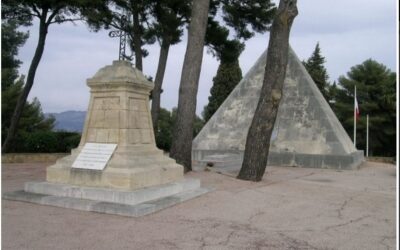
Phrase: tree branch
[67,20]
[36,11]
[52,15]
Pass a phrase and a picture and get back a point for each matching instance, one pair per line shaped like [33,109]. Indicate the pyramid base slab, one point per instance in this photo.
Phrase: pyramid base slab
[232,159]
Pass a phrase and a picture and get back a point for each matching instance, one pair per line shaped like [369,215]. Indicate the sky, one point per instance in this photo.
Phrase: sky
[348,31]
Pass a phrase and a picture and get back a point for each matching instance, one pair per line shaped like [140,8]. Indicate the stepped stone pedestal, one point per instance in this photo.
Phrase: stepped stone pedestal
[119,114]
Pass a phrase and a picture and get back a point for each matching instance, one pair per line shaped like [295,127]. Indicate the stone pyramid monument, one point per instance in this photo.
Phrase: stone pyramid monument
[117,168]
[306,133]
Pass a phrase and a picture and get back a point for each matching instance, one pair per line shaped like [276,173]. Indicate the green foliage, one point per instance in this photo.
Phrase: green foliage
[165,128]
[316,69]
[198,124]
[245,18]
[46,141]
[111,15]
[240,15]
[376,95]
[11,41]
[170,16]
[51,11]
[67,140]
[32,118]
[41,142]
[228,76]
[22,12]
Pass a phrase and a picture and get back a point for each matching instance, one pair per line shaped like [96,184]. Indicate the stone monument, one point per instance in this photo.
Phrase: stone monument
[117,167]
[119,113]
[306,132]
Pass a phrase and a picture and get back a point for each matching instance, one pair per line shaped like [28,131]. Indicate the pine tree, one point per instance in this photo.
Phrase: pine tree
[32,117]
[316,69]
[240,15]
[181,147]
[376,95]
[47,12]
[11,41]
[256,152]
[170,16]
[228,76]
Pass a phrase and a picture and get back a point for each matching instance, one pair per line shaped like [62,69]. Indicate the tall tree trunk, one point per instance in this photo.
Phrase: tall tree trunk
[156,93]
[43,28]
[181,148]
[137,42]
[259,135]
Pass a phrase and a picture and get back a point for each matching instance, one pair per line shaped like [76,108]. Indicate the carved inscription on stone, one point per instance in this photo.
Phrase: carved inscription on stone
[94,156]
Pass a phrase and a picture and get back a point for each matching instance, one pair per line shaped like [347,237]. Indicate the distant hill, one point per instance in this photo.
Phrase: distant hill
[71,121]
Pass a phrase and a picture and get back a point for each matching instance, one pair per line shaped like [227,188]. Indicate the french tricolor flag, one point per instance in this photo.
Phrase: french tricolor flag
[356,116]
[356,109]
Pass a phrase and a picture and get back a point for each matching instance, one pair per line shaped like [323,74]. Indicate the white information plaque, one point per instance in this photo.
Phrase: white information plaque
[94,156]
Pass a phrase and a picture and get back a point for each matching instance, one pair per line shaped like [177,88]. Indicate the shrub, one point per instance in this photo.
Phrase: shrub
[41,142]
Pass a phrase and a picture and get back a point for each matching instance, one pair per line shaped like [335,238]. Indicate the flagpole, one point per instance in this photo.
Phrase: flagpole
[367,135]
[355,116]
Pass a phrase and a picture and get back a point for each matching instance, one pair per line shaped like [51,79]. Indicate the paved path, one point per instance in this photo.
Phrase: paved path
[292,208]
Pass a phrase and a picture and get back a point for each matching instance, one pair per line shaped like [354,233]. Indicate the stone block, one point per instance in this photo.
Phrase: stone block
[57,174]
[111,119]
[134,136]
[91,135]
[132,116]
[113,136]
[145,136]
[109,201]
[135,104]
[142,120]
[307,160]
[123,119]
[101,135]
[21,195]
[112,178]
[123,137]
[84,177]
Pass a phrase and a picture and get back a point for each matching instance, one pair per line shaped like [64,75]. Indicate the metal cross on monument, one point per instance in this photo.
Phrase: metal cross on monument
[122,39]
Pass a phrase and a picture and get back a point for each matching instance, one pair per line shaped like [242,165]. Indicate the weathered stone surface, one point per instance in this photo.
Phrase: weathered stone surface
[306,132]
[112,195]
[119,113]
[110,201]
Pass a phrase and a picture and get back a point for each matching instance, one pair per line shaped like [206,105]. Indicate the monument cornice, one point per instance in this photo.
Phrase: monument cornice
[130,86]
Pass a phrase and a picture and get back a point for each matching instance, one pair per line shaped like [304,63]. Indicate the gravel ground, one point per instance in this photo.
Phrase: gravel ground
[292,208]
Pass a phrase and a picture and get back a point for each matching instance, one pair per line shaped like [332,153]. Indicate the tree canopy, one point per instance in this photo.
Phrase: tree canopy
[32,118]
[166,123]
[316,69]
[376,95]
[245,18]
[48,12]
[228,76]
